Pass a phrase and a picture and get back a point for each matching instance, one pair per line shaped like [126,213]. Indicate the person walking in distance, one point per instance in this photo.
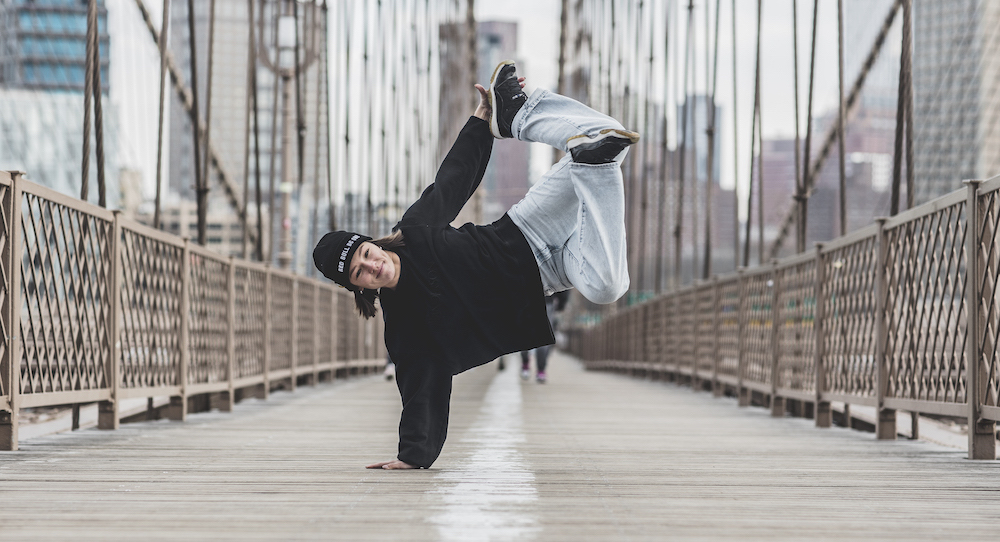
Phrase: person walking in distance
[554,304]
[456,298]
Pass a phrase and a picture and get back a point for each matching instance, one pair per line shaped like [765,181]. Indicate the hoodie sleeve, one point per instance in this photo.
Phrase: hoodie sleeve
[423,425]
[457,179]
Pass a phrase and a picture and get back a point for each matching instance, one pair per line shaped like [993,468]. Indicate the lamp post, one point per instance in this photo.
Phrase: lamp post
[282,60]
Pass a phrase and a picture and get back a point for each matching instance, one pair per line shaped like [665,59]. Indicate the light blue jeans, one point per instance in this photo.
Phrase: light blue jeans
[574,218]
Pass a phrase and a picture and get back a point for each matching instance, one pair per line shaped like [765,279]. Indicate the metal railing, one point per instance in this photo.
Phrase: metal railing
[883,317]
[99,308]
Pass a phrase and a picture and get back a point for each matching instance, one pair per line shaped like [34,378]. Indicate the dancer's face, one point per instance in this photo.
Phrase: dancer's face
[372,268]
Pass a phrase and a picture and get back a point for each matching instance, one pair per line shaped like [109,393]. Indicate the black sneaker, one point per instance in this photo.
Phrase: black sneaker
[506,98]
[602,148]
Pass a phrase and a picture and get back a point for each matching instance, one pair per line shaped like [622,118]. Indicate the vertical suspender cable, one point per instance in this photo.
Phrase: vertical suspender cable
[195,121]
[206,166]
[88,83]
[695,169]
[272,169]
[753,142]
[648,124]
[904,115]
[840,116]
[710,133]
[806,154]
[907,61]
[800,235]
[300,124]
[663,151]
[332,211]
[679,217]
[760,139]
[251,113]
[164,26]
[736,155]
[346,25]
[256,136]
[244,245]
[322,117]
[98,108]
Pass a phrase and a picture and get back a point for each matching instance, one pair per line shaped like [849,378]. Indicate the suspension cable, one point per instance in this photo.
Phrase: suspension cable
[840,117]
[162,44]
[800,233]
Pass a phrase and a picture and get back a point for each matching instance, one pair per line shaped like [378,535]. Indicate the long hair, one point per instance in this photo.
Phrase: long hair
[365,299]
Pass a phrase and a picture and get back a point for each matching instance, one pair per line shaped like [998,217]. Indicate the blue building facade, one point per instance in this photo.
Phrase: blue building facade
[43,44]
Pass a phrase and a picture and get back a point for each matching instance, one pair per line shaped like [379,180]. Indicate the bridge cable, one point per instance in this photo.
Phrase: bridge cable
[275,15]
[710,136]
[840,117]
[679,217]
[801,196]
[800,233]
[693,111]
[162,45]
[753,142]
[736,153]
[210,59]
[663,184]
[195,128]
[251,116]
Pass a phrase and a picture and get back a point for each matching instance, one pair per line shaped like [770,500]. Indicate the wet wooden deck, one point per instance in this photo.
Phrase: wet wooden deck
[588,456]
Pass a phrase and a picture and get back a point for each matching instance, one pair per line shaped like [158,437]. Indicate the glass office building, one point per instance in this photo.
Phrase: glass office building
[42,78]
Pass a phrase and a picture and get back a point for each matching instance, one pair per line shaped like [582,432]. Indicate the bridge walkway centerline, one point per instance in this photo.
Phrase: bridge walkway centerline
[588,456]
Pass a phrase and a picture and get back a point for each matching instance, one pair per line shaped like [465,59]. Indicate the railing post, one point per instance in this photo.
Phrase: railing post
[885,424]
[982,439]
[824,414]
[334,333]
[295,334]
[107,411]
[716,386]
[178,408]
[228,400]
[742,391]
[266,384]
[316,332]
[777,403]
[11,361]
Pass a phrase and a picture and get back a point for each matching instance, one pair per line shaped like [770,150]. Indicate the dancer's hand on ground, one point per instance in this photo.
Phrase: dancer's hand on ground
[484,110]
[395,464]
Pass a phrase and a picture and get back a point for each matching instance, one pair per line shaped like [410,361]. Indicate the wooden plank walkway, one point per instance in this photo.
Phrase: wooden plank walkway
[588,456]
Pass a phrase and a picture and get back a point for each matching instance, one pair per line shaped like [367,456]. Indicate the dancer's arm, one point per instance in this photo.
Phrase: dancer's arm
[457,178]
[461,171]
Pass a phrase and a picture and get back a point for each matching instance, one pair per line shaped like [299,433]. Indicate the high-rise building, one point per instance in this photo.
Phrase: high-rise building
[42,79]
[956,94]
[506,179]
[43,44]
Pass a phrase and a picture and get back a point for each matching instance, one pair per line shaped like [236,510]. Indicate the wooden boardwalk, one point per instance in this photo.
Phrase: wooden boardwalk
[589,456]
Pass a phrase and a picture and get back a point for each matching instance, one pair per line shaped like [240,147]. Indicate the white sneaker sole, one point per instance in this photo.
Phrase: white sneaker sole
[583,139]
[491,96]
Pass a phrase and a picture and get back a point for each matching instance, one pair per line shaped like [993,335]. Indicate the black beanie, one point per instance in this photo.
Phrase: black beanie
[333,254]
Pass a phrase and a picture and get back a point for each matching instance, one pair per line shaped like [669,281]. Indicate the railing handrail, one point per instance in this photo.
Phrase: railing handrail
[885,310]
[70,304]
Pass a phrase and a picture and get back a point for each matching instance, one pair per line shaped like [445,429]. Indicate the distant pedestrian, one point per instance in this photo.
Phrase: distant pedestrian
[454,299]
[554,304]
